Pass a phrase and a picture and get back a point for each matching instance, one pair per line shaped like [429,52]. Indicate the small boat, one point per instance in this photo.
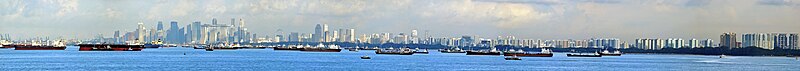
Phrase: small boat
[353,49]
[209,49]
[584,55]
[722,56]
[512,58]
[452,50]
[322,48]
[417,50]
[615,53]
[365,57]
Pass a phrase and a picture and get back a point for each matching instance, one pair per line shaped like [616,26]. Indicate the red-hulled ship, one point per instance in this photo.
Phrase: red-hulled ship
[543,53]
[110,47]
[322,48]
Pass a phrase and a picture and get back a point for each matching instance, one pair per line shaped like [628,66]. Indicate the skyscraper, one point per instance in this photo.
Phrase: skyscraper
[761,40]
[351,35]
[317,36]
[160,26]
[173,35]
[140,33]
[728,40]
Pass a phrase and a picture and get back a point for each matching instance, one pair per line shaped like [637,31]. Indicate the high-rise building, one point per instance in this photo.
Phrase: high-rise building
[325,33]
[160,26]
[140,33]
[604,43]
[173,35]
[761,40]
[317,36]
[351,35]
[728,40]
[694,43]
[785,40]
[650,44]
[707,43]
[674,42]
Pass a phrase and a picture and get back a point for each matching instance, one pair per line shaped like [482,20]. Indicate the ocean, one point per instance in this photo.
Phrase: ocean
[188,59]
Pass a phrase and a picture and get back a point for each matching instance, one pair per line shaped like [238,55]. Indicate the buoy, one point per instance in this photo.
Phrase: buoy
[184,53]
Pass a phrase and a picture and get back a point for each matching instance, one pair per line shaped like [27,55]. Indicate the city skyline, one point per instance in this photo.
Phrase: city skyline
[573,19]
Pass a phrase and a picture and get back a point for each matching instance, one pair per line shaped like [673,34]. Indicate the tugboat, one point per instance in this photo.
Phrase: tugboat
[491,51]
[543,53]
[584,55]
[400,51]
[417,50]
[209,49]
[354,49]
[365,57]
[322,48]
[615,53]
[452,50]
[512,58]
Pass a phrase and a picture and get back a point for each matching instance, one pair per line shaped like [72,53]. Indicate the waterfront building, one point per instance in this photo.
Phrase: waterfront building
[317,36]
[761,40]
[728,40]
[674,42]
[786,40]
[650,44]
[694,43]
[604,43]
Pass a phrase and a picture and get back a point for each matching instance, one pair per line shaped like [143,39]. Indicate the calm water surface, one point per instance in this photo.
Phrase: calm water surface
[267,59]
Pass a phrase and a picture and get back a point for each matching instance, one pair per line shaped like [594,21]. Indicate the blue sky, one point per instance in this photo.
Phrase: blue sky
[536,19]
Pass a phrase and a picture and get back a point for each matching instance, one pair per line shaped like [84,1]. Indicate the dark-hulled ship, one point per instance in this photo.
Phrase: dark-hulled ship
[290,47]
[322,48]
[399,51]
[491,51]
[39,47]
[521,53]
[110,47]
[584,55]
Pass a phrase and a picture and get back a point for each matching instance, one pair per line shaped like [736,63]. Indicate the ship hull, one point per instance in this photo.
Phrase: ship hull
[611,54]
[528,55]
[321,50]
[396,53]
[109,47]
[284,48]
[578,55]
[40,48]
[483,53]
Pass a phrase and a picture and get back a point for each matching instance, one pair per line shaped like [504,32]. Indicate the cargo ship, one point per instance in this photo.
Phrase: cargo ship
[491,51]
[290,47]
[36,46]
[154,44]
[400,51]
[584,55]
[606,53]
[452,50]
[322,48]
[521,53]
[110,47]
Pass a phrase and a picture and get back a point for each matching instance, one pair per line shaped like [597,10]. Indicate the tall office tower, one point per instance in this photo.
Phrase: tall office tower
[116,37]
[334,36]
[351,35]
[294,37]
[173,34]
[140,33]
[342,35]
[160,26]
[317,36]
[189,33]
[325,33]
[694,43]
[197,31]
[233,22]
[728,40]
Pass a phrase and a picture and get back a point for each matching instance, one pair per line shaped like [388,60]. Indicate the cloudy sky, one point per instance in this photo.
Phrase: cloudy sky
[535,19]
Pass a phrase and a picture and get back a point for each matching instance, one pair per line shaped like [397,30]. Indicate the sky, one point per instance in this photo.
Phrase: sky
[524,19]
